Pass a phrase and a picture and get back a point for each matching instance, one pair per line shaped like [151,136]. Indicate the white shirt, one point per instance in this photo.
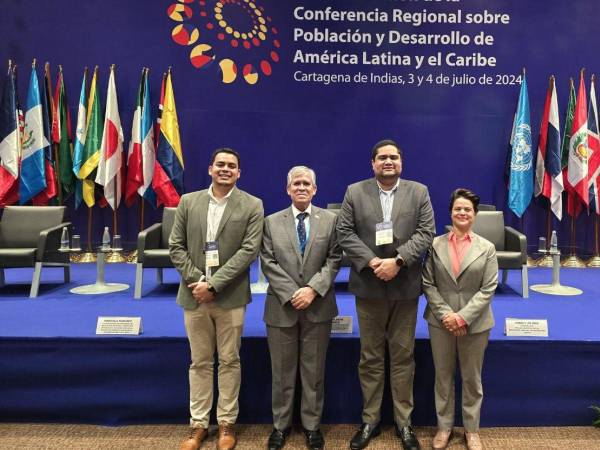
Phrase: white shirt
[387,200]
[216,208]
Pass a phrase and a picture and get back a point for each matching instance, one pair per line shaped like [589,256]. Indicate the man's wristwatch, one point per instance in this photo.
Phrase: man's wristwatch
[399,261]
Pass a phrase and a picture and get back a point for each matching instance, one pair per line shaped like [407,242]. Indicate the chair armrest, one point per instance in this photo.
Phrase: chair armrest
[49,243]
[515,241]
[148,239]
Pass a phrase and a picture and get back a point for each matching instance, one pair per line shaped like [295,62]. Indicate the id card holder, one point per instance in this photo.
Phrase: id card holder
[211,251]
[384,233]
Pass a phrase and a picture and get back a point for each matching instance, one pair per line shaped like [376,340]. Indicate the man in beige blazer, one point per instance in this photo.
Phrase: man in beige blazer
[459,281]
[300,257]
[216,236]
[385,227]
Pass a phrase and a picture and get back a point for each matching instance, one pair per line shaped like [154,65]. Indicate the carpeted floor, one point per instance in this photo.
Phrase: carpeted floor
[254,437]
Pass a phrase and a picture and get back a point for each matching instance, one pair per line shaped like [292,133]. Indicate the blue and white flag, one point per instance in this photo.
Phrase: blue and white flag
[34,142]
[148,150]
[554,189]
[520,186]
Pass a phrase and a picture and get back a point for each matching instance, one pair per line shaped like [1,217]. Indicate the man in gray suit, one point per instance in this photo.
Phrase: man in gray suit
[385,227]
[300,257]
[216,236]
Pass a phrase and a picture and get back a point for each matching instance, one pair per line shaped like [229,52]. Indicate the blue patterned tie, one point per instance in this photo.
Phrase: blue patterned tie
[301,231]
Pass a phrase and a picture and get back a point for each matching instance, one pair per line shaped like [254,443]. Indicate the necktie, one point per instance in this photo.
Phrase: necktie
[301,231]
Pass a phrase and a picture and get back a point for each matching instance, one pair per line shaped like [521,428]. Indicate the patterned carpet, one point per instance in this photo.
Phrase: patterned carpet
[254,437]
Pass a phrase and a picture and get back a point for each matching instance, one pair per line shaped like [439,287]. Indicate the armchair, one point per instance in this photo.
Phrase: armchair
[153,250]
[511,245]
[30,237]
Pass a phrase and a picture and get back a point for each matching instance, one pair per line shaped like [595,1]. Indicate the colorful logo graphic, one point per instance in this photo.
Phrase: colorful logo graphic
[237,34]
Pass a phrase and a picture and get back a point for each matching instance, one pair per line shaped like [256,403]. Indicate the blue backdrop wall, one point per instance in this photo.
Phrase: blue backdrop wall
[318,83]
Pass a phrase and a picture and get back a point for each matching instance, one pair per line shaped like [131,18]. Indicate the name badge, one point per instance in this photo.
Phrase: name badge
[211,251]
[384,233]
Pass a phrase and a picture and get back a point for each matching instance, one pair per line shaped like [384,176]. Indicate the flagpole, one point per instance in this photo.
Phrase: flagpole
[57,156]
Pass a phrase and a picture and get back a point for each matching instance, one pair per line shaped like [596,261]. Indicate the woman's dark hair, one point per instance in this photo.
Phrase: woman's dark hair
[467,194]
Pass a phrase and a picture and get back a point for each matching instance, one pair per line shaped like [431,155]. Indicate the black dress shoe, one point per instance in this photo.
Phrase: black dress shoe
[314,439]
[362,437]
[407,435]
[277,438]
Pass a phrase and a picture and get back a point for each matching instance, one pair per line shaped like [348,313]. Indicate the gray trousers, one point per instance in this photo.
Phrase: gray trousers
[305,344]
[392,321]
[469,350]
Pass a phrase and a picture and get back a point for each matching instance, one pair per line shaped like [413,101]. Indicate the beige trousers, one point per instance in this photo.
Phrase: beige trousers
[210,327]
[469,349]
[392,321]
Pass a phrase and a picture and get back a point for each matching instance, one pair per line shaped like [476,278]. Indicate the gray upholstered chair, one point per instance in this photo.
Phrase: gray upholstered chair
[153,249]
[511,245]
[30,237]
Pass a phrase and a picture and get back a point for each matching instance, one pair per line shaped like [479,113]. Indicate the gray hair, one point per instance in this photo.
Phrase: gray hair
[301,170]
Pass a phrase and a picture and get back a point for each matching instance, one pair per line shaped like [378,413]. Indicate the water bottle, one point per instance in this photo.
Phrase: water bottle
[64,239]
[105,240]
[553,243]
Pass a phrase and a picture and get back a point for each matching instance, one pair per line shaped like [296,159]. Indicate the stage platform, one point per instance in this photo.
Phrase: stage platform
[54,368]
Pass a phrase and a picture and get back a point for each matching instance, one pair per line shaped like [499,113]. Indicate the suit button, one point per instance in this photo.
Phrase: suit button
[301,276]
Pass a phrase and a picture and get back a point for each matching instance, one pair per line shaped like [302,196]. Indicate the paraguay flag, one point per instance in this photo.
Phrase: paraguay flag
[10,141]
[520,187]
[553,175]
[168,170]
[33,175]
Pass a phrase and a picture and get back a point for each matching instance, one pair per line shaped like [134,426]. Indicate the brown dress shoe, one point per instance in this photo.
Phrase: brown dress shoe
[473,441]
[226,437]
[197,435]
[440,441]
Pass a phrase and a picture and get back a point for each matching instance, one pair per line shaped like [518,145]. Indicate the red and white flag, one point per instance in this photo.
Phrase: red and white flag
[111,151]
[577,172]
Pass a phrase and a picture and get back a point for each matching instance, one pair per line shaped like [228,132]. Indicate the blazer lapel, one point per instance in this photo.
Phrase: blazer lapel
[203,216]
[399,200]
[232,204]
[375,203]
[290,228]
[315,220]
[442,249]
[475,251]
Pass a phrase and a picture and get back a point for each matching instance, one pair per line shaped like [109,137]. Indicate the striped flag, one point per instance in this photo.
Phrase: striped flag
[10,141]
[47,107]
[167,181]
[91,149]
[553,177]
[520,188]
[32,176]
[593,149]
[80,130]
[111,151]
[577,170]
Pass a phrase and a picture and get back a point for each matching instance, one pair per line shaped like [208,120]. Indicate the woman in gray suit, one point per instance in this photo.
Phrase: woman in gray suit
[459,280]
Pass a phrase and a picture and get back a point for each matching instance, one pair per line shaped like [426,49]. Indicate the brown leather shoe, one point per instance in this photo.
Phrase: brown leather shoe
[197,435]
[441,439]
[226,437]
[473,441]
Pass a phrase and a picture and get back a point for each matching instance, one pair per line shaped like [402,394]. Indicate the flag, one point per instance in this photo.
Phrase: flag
[540,162]
[553,176]
[10,141]
[167,181]
[577,169]
[32,179]
[573,205]
[148,147]
[593,150]
[111,151]
[91,149]
[80,130]
[520,187]
[63,137]
[46,96]
[135,177]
